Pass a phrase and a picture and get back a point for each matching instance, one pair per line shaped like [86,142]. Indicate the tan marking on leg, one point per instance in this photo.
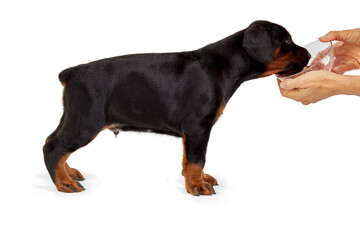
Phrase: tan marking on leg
[184,154]
[63,181]
[219,111]
[194,182]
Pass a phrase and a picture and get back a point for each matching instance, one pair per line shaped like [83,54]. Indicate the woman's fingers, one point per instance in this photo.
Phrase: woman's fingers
[335,36]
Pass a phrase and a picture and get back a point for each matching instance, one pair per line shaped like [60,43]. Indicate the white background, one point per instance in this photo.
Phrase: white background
[286,171]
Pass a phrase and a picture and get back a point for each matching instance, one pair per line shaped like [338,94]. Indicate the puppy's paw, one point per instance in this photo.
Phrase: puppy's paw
[70,187]
[76,175]
[73,173]
[209,179]
[200,188]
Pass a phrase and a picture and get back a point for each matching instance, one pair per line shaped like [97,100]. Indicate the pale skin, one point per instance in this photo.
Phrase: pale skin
[318,85]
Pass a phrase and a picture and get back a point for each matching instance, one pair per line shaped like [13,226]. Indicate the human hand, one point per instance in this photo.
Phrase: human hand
[311,87]
[346,50]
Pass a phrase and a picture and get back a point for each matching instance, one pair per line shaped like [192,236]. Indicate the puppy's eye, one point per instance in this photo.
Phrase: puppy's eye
[288,41]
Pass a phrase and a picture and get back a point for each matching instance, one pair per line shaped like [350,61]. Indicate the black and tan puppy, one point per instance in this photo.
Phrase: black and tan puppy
[180,94]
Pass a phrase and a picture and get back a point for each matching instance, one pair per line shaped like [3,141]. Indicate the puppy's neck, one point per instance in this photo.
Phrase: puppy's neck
[229,63]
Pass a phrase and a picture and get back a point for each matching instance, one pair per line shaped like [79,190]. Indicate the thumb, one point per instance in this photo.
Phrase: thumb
[335,36]
[291,83]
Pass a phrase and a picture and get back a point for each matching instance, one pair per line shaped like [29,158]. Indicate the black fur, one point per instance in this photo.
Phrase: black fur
[172,93]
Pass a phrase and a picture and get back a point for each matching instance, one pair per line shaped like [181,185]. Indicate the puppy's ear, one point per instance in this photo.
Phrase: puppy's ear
[257,44]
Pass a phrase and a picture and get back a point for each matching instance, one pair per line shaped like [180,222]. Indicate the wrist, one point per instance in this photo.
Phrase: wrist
[344,84]
[333,84]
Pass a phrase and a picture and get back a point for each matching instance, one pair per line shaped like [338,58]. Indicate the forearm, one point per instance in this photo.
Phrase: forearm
[349,85]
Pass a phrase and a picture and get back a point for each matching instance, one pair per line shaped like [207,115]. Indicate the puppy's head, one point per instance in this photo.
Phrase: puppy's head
[271,45]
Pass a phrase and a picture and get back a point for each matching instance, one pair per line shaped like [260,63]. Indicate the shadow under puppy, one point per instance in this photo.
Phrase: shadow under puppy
[180,94]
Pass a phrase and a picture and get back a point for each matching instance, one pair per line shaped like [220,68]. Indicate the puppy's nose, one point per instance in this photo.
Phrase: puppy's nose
[305,57]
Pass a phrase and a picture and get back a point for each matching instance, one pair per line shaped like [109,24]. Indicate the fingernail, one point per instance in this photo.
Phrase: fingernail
[282,85]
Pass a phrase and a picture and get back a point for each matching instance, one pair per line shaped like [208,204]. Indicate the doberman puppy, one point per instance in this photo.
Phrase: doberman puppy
[180,94]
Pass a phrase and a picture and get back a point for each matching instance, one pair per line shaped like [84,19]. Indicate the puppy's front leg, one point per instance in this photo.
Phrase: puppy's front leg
[196,181]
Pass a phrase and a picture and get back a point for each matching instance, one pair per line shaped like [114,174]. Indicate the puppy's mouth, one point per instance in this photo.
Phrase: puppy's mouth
[291,69]
[297,63]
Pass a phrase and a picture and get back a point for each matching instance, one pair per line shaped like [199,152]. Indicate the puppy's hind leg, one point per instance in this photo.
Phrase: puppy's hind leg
[57,130]
[81,122]
[57,151]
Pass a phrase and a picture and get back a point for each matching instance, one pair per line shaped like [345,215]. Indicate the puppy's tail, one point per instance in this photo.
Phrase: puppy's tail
[65,76]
